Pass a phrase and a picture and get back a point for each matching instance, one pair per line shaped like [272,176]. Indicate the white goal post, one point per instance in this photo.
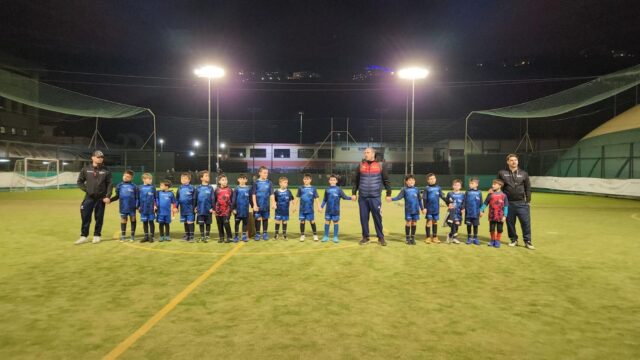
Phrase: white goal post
[35,173]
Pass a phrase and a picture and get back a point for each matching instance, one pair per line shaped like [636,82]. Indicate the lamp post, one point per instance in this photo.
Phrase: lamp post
[212,72]
[413,73]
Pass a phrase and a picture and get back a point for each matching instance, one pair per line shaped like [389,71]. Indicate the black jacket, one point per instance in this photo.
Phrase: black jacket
[95,182]
[516,185]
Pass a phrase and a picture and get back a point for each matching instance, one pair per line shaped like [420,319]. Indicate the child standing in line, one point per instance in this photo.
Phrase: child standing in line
[412,207]
[331,199]
[431,197]
[127,193]
[223,206]
[308,201]
[472,205]
[204,205]
[498,211]
[241,203]
[283,198]
[187,202]
[455,199]
[167,208]
[262,196]
[147,206]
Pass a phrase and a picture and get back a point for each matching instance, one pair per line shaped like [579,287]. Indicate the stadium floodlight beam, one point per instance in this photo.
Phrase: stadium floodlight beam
[161,142]
[223,145]
[413,74]
[192,153]
[212,72]
[196,143]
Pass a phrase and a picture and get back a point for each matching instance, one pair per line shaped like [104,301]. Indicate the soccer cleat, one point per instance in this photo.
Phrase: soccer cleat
[529,245]
[407,241]
[336,240]
[132,239]
[284,236]
[201,239]
[513,243]
[325,238]
[435,240]
[81,240]
[413,241]
[123,238]
[301,237]
[315,238]
[150,239]
[276,236]
[469,241]
[496,243]
[364,241]
[491,243]
[235,239]
[96,239]
[381,242]
[455,241]
[257,237]
[245,238]
[448,239]
[427,240]
[205,239]
[228,240]
[220,240]
[185,237]
[476,241]
[265,236]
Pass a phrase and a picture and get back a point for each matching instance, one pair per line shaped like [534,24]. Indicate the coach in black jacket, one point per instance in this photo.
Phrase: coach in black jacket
[518,189]
[95,181]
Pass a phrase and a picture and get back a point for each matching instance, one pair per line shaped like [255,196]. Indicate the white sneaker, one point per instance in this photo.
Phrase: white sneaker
[96,239]
[455,241]
[301,237]
[513,243]
[529,246]
[315,238]
[82,240]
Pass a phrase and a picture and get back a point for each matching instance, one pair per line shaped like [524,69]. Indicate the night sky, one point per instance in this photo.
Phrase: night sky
[160,42]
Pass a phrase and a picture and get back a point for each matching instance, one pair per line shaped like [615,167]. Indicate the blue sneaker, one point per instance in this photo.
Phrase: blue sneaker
[336,240]
[257,237]
[491,243]
[476,241]
[235,239]
[496,244]
[245,238]
[469,241]
[265,236]
[325,238]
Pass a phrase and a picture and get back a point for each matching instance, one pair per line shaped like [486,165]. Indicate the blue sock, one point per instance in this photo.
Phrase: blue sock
[335,230]
[326,229]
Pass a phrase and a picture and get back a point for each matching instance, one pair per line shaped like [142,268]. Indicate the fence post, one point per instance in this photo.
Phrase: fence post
[602,163]
[579,166]
[630,160]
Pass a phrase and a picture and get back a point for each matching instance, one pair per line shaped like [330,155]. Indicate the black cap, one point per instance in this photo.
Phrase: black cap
[97,153]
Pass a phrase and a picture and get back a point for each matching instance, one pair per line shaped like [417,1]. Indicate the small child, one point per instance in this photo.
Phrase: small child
[241,203]
[147,206]
[308,201]
[187,203]
[412,207]
[431,197]
[283,198]
[331,199]
[223,205]
[127,193]
[498,211]
[455,199]
[472,204]
[262,196]
[204,205]
[167,207]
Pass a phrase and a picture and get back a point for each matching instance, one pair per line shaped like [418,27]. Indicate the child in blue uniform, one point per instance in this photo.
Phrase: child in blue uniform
[186,203]
[167,207]
[204,205]
[262,196]
[308,201]
[127,193]
[472,204]
[431,197]
[283,198]
[413,206]
[147,206]
[331,199]
[455,199]
[241,203]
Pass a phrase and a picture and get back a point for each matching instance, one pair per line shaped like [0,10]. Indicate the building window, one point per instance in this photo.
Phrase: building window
[237,152]
[324,154]
[258,153]
[305,153]
[13,131]
[344,148]
[3,130]
[281,153]
[24,132]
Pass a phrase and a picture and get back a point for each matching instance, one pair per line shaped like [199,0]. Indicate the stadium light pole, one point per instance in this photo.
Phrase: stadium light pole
[212,72]
[413,74]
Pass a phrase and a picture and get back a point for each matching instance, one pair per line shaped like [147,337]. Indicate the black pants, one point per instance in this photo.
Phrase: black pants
[90,206]
[223,225]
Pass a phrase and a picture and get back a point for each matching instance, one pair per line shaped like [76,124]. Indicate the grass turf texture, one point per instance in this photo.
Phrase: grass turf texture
[576,296]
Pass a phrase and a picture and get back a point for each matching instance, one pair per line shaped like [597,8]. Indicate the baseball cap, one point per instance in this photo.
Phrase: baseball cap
[97,153]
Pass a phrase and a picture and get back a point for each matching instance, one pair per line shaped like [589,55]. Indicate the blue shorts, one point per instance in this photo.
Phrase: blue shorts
[204,219]
[281,217]
[129,213]
[147,217]
[262,214]
[306,217]
[472,221]
[164,219]
[412,217]
[334,218]
[187,218]
[431,216]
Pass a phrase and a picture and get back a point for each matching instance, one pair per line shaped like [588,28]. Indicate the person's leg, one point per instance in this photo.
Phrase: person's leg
[227,228]
[99,217]
[314,229]
[374,206]
[201,221]
[427,229]
[302,223]
[145,229]
[492,229]
[134,223]
[363,206]
[167,231]
[284,229]
[236,227]
[498,234]
[86,210]
[336,231]
[161,225]
[123,227]
[524,216]
[511,224]
[413,232]
[407,231]
[327,224]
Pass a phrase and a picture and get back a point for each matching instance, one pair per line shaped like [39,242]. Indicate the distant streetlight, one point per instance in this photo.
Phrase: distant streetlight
[223,145]
[212,72]
[192,153]
[413,73]
[161,141]
[196,143]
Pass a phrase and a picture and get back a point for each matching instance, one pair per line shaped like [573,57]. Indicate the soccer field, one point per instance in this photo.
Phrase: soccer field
[576,296]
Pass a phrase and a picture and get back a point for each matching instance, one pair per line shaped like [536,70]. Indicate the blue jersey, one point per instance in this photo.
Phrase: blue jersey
[457,199]
[166,200]
[307,195]
[283,199]
[127,193]
[331,199]
[472,203]
[262,189]
[431,198]
[186,199]
[412,202]
[204,199]
[147,199]
[241,201]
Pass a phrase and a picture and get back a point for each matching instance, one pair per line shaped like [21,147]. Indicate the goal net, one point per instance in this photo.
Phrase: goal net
[35,173]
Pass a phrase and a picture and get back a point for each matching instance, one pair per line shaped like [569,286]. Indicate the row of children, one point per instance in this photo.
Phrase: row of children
[200,203]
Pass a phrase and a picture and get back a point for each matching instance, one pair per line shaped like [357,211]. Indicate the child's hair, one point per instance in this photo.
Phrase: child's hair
[430,175]
[409,176]
[306,175]
[147,176]
[220,176]
[202,173]
[242,176]
[473,179]
[129,172]
[282,178]
[498,181]
[188,175]
[456,181]
[333,176]
[262,168]
[166,183]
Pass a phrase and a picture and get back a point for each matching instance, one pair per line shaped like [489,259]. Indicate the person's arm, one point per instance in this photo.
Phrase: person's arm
[385,180]
[194,201]
[232,198]
[485,204]
[137,194]
[343,195]
[444,198]
[324,200]
[527,189]
[109,182]
[82,180]
[400,195]
[117,195]
[506,206]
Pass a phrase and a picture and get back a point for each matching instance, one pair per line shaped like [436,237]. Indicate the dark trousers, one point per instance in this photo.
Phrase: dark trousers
[370,205]
[88,207]
[522,213]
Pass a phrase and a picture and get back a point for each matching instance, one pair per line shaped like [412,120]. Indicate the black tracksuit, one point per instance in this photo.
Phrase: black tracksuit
[97,184]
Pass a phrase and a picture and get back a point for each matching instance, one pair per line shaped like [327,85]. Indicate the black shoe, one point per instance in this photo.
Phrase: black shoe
[382,242]
[229,240]
[151,238]
[220,241]
[364,241]
[413,241]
